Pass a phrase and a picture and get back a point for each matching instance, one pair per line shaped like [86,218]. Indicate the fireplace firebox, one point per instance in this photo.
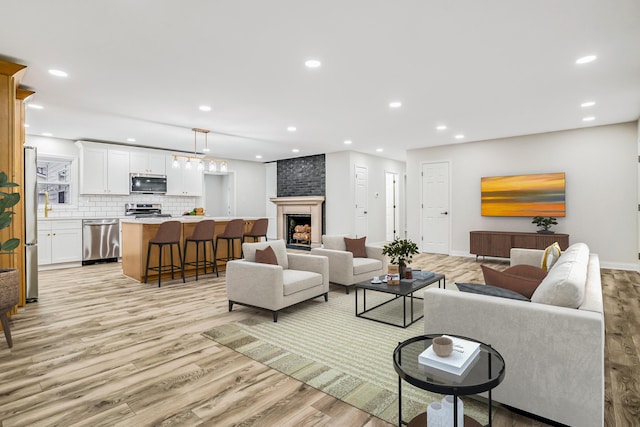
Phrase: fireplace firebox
[299,231]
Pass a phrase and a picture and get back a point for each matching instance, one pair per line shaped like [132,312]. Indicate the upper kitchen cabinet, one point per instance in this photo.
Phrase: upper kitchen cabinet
[147,162]
[104,169]
[183,181]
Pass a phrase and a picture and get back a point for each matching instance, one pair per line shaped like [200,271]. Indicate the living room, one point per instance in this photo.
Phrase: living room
[514,117]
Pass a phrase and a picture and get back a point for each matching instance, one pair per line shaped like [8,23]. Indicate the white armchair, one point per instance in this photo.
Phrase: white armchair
[296,278]
[346,270]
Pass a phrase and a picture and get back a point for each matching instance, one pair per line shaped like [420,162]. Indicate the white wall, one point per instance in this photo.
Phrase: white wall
[250,187]
[340,194]
[601,186]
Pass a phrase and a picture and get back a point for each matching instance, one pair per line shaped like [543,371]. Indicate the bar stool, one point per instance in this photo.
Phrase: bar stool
[258,230]
[168,234]
[203,233]
[231,233]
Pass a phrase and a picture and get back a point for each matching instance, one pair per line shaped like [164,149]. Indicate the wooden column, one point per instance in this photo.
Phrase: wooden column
[12,136]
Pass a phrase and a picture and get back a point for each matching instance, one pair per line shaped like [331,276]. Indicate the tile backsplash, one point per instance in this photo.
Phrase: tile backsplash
[100,206]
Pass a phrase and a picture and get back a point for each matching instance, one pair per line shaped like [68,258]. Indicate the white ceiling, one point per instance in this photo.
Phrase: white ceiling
[487,69]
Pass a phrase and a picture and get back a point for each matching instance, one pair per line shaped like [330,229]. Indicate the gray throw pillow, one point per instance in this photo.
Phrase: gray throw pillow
[493,291]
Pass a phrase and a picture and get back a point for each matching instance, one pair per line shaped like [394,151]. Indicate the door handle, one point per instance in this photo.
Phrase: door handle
[444,213]
[365,212]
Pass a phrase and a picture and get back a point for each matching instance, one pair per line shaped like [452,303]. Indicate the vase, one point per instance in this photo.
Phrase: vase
[447,408]
[436,415]
[402,267]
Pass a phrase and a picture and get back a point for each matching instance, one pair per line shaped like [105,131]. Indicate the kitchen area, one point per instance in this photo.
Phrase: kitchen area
[86,191]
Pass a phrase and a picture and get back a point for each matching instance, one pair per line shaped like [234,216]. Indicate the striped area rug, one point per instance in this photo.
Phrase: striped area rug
[327,347]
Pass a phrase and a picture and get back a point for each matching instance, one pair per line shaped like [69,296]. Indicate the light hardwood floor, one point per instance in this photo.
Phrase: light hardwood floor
[99,349]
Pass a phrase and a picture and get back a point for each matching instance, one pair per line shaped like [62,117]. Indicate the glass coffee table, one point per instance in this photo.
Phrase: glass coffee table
[484,375]
[405,289]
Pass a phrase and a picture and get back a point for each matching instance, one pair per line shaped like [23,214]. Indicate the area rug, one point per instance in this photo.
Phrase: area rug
[324,345]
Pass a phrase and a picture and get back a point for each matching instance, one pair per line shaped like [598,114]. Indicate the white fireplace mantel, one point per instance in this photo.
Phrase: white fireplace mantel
[309,205]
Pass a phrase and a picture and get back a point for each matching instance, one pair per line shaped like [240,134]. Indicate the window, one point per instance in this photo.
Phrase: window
[54,180]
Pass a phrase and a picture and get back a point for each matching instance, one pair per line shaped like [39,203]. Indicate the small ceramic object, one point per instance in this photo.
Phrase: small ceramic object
[376,280]
[442,346]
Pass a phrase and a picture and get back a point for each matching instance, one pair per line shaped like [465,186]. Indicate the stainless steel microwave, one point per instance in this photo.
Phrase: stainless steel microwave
[148,184]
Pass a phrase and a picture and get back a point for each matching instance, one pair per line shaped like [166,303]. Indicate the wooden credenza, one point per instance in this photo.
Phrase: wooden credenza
[499,243]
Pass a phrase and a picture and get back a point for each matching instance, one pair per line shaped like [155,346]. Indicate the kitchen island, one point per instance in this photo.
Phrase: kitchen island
[136,234]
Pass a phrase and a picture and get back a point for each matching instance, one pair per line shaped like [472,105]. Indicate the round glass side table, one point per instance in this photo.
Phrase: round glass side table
[484,374]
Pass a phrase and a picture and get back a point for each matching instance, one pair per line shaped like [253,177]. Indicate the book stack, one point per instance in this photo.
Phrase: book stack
[422,275]
[464,353]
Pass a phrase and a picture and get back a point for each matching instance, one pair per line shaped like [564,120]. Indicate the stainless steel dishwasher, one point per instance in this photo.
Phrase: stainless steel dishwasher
[100,240]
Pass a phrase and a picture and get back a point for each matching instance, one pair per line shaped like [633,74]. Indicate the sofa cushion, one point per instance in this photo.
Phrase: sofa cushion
[523,279]
[298,280]
[334,242]
[365,265]
[356,247]
[266,256]
[551,255]
[278,246]
[493,291]
[565,283]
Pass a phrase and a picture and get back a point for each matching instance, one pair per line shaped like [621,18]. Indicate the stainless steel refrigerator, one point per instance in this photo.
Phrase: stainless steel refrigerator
[31,221]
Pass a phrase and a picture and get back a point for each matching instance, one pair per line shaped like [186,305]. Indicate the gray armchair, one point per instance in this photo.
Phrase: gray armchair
[296,278]
[346,270]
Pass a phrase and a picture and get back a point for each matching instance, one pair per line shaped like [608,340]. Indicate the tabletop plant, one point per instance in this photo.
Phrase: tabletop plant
[544,223]
[400,251]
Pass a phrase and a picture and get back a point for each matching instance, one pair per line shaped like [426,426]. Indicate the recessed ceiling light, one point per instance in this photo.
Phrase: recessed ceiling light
[295,150]
[348,142]
[441,127]
[395,104]
[26,125]
[204,108]
[36,106]
[459,136]
[588,104]
[131,139]
[588,119]
[586,59]
[58,73]
[291,128]
[379,150]
[47,134]
[259,156]
[312,63]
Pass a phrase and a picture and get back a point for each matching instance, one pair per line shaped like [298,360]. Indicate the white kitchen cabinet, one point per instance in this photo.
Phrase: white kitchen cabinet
[147,162]
[182,181]
[103,169]
[59,241]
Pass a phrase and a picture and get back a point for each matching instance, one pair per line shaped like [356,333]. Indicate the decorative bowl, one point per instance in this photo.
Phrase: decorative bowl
[442,346]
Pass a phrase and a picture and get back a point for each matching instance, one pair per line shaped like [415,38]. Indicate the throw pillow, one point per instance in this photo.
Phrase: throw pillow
[508,280]
[266,256]
[551,255]
[356,247]
[493,291]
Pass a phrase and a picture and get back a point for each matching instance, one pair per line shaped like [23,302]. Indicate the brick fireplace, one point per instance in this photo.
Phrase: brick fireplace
[298,207]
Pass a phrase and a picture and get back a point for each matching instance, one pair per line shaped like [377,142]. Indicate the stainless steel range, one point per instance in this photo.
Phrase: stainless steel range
[144,210]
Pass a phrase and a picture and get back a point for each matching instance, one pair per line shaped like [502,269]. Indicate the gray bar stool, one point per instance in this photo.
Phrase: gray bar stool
[231,233]
[203,233]
[258,230]
[167,234]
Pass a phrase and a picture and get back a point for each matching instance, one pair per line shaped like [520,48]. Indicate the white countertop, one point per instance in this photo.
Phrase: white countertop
[184,218]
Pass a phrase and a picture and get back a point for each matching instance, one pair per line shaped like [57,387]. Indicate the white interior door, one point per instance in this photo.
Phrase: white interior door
[361,191]
[391,205]
[435,208]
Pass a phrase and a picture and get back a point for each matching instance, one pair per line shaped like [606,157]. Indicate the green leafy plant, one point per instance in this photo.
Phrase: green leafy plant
[7,201]
[400,250]
[544,223]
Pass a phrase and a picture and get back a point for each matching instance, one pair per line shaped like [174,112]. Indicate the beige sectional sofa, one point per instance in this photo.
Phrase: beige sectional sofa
[553,346]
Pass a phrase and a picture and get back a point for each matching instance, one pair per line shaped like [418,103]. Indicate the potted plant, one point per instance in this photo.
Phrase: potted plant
[401,252]
[9,278]
[544,223]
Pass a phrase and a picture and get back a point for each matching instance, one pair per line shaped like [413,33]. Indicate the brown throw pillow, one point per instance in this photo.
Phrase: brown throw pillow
[522,279]
[266,256]
[356,247]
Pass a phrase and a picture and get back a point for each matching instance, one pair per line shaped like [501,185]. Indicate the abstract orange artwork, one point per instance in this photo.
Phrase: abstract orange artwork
[524,195]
